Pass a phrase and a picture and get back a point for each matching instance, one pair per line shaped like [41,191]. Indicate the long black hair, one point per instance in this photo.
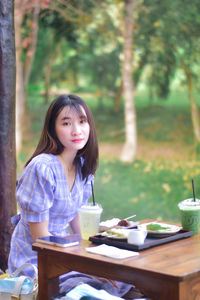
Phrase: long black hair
[49,143]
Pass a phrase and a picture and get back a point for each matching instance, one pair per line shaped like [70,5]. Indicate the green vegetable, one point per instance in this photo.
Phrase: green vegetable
[113,232]
[156,227]
[109,231]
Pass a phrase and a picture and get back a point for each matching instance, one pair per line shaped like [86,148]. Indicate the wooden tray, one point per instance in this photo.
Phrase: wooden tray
[148,243]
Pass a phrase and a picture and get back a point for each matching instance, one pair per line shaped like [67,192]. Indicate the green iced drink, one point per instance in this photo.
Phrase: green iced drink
[190,214]
[89,217]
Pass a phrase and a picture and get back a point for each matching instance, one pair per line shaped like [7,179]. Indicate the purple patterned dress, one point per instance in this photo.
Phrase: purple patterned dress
[43,194]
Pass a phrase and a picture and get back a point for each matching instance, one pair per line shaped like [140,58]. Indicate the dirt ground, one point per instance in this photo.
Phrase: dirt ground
[152,151]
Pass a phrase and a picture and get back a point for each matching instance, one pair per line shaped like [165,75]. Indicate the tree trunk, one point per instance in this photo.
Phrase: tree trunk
[48,68]
[117,99]
[129,149]
[32,48]
[194,107]
[23,71]
[7,127]
[20,92]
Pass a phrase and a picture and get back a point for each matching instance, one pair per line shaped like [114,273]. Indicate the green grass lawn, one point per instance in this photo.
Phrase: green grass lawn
[147,189]
[165,164]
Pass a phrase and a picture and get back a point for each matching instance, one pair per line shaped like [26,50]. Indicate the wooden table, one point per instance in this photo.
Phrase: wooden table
[166,272]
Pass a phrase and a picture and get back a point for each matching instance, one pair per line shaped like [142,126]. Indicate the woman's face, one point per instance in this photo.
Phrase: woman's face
[72,128]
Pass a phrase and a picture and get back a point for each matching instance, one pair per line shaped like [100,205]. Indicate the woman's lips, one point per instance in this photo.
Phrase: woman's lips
[77,140]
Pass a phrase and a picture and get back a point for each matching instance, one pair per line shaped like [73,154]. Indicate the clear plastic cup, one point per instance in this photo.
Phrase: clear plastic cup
[89,217]
[190,214]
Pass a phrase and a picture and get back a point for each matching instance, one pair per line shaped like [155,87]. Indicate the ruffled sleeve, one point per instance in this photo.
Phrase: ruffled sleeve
[35,192]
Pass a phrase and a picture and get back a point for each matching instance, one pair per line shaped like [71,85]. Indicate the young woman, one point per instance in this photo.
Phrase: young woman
[55,183]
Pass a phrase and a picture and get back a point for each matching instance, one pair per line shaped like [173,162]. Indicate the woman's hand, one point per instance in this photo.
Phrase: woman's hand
[75,225]
[39,229]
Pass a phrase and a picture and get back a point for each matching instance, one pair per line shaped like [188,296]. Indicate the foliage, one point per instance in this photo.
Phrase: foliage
[89,55]
[153,39]
[167,32]
[51,19]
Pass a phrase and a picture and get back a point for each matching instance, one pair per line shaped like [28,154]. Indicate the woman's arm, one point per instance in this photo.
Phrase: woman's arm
[39,229]
[75,225]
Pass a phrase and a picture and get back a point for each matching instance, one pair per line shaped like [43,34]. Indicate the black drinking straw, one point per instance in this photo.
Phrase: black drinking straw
[193,190]
[92,193]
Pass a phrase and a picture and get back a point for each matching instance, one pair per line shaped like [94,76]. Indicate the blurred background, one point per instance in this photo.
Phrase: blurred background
[137,65]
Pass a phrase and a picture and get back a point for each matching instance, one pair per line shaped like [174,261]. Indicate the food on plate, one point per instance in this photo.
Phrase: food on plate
[156,227]
[120,234]
[159,229]
[124,223]
[116,232]
[116,223]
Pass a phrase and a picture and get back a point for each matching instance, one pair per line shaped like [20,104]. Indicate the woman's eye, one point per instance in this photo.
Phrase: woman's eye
[83,121]
[66,123]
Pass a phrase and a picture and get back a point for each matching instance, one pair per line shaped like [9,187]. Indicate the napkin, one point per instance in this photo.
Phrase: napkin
[111,251]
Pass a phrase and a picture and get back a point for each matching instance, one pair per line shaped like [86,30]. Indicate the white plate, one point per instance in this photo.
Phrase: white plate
[105,225]
[114,233]
[171,229]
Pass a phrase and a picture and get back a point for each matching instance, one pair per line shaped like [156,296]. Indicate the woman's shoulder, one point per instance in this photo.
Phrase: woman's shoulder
[41,166]
[43,162]
[44,158]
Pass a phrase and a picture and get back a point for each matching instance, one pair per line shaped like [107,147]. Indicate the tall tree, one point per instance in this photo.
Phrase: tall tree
[187,53]
[168,39]
[27,12]
[129,149]
[25,48]
[7,127]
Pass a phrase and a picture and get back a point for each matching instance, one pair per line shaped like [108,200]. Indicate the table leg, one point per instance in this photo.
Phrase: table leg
[190,289]
[47,287]
[42,277]
[53,287]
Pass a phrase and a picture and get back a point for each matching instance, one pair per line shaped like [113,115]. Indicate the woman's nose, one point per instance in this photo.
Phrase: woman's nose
[76,129]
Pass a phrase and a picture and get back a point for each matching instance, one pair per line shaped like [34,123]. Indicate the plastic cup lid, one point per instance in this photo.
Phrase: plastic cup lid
[189,204]
[90,206]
